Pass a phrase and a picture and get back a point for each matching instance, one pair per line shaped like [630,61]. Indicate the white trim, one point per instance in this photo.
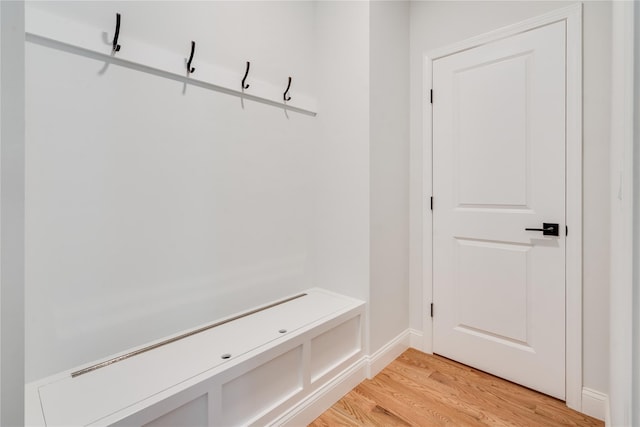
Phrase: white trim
[563,14]
[573,326]
[572,15]
[416,340]
[318,402]
[322,399]
[388,353]
[427,223]
[621,293]
[594,403]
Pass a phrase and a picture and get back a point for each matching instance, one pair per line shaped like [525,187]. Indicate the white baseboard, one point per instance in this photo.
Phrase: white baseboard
[367,367]
[594,403]
[319,401]
[416,339]
[388,353]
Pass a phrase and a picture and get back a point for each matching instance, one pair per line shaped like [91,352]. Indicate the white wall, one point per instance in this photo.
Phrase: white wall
[440,23]
[341,154]
[596,190]
[150,210]
[12,148]
[389,154]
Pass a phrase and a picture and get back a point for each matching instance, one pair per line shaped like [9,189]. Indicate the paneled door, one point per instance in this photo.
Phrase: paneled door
[499,208]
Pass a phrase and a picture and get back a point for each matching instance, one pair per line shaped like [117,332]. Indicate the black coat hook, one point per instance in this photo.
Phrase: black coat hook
[116,46]
[191,69]
[246,73]
[284,96]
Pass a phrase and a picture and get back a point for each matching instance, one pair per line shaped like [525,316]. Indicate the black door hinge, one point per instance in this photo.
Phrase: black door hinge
[431,202]
[431,95]
[566,230]
[431,309]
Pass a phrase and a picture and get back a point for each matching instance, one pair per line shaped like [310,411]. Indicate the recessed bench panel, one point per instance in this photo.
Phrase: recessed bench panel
[333,347]
[262,388]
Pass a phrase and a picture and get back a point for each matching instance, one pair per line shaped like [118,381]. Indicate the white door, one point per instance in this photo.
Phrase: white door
[498,169]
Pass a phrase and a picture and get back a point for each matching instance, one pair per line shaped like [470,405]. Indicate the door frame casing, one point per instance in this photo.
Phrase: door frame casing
[572,16]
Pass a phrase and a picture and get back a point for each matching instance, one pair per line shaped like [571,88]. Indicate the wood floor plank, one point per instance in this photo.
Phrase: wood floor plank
[369,413]
[470,408]
[333,418]
[414,414]
[482,401]
[429,390]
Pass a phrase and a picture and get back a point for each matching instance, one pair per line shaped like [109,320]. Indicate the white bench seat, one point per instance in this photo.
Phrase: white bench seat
[323,332]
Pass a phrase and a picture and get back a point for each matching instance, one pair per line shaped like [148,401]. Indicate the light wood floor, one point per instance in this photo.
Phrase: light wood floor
[423,390]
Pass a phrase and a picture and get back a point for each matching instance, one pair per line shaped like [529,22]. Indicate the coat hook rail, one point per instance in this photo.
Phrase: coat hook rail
[284,96]
[116,46]
[246,73]
[82,42]
[191,69]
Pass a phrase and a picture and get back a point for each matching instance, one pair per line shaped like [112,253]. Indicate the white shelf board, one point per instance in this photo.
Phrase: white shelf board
[68,35]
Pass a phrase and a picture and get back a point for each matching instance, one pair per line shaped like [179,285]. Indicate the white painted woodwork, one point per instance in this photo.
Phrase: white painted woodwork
[585,353]
[266,374]
[498,168]
[261,388]
[595,404]
[67,34]
[332,348]
[623,357]
[192,414]
[391,351]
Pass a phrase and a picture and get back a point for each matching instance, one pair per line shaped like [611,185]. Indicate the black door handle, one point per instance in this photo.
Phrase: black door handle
[548,229]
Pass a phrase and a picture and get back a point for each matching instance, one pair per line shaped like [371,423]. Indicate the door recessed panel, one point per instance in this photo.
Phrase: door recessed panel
[491,283]
[490,132]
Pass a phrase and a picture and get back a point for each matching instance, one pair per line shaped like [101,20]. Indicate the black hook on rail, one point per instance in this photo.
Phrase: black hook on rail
[284,96]
[116,46]
[191,69]
[246,73]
